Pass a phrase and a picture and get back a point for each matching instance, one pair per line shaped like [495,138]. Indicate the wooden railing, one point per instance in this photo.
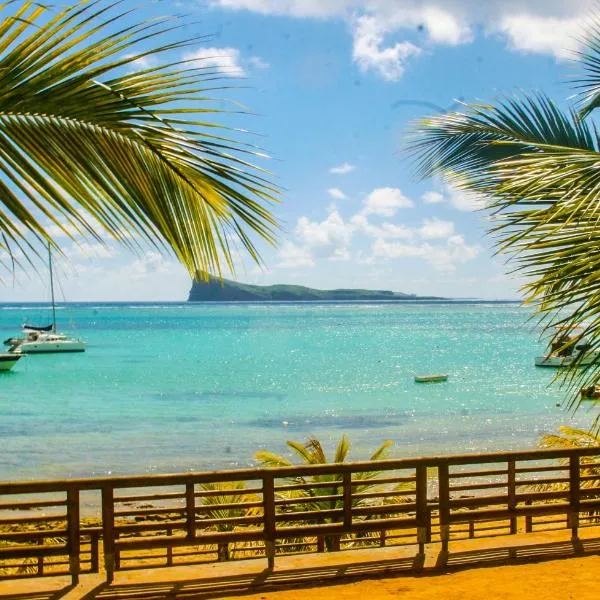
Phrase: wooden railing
[192,517]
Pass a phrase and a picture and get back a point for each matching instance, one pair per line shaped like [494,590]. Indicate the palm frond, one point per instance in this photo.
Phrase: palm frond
[382,451]
[270,459]
[311,453]
[589,60]
[466,144]
[537,167]
[342,450]
[220,505]
[89,143]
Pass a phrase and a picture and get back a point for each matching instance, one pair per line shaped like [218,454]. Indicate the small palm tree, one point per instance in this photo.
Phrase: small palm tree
[312,453]
[570,437]
[94,145]
[535,168]
[218,511]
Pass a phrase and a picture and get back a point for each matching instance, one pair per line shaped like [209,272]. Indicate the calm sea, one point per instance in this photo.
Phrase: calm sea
[188,387]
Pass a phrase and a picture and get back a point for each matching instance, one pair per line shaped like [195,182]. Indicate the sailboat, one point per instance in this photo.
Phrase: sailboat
[45,340]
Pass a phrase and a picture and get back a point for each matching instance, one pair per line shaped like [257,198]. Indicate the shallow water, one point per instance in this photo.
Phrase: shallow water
[189,387]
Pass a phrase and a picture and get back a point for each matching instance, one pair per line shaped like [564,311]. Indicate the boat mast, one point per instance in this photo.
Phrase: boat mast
[52,289]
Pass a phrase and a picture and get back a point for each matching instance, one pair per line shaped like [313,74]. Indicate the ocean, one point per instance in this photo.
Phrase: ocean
[178,387]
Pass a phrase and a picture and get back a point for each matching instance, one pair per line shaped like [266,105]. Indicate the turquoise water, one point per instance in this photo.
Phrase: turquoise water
[179,387]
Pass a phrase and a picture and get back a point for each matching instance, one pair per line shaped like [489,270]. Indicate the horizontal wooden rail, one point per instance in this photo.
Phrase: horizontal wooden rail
[273,510]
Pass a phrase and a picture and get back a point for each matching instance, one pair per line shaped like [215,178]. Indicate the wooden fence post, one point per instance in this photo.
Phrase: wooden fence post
[40,560]
[574,495]
[73,533]
[528,519]
[423,515]
[169,548]
[94,539]
[108,532]
[190,511]
[268,490]
[347,483]
[444,500]
[512,493]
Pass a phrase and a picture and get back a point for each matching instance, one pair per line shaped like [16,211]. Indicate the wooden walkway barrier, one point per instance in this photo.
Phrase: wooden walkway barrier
[222,515]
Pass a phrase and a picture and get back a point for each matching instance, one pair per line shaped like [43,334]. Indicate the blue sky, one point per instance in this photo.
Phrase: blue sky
[334,85]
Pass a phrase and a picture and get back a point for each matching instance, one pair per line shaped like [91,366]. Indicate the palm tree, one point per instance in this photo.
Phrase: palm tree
[312,453]
[535,166]
[569,437]
[96,145]
[219,507]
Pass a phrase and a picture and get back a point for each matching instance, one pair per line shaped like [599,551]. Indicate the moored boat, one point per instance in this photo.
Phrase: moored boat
[46,343]
[45,340]
[569,348]
[590,393]
[430,378]
[9,359]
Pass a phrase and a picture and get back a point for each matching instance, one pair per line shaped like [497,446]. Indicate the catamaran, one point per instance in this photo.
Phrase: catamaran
[45,340]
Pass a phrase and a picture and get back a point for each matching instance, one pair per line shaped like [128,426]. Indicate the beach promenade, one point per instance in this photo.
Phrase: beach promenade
[536,566]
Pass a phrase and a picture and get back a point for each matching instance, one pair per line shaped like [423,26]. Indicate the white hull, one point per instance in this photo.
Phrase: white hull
[566,361]
[8,360]
[51,346]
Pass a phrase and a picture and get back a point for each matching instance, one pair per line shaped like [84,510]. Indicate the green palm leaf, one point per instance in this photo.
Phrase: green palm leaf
[91,144]
[465,145]
[536,165]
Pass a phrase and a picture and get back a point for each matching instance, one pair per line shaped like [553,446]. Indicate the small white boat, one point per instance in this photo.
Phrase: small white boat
[430,378]
[557,361]
[45,343]
[567,349]
[9,359]
[45,340]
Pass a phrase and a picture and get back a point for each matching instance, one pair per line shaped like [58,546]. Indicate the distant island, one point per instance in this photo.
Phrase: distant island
[232,291]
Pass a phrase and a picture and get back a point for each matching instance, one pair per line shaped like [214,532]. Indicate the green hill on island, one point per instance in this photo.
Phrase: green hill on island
[232,291]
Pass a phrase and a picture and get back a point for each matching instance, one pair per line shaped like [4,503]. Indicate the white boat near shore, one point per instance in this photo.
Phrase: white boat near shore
[46,343]
[45,340]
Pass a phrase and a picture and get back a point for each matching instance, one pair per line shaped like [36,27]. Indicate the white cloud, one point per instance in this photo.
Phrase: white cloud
[383,231]
[381,28]
[291,256]
[456,251]
[542,34]
[64,230]
[445,28]
[150,264]
[369,52]
[296,8]
[436,229]
[386,202]
[142,63]
[433,198]
[381,248]
[258,62]
[325,236]
[87,250]
[337,194]
[464,200]
[329,239]
[224,60]
[342,169]
[442,258]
